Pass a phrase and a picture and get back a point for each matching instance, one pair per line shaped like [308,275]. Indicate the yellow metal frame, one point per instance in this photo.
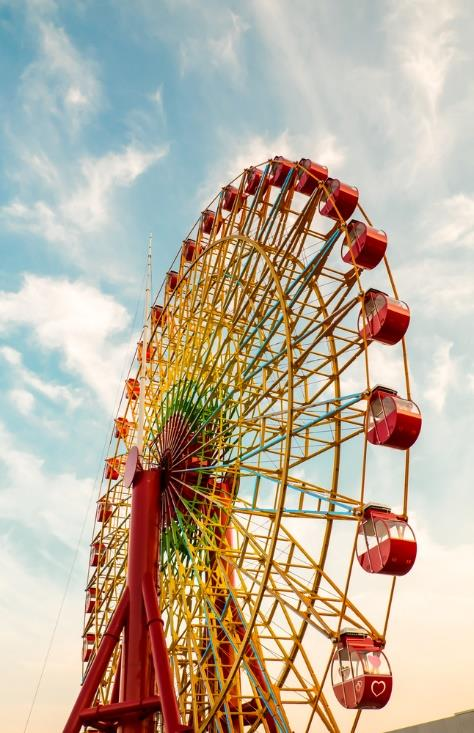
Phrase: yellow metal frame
[261,325]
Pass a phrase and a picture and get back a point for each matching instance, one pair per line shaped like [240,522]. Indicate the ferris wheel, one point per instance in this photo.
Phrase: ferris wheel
[233,530]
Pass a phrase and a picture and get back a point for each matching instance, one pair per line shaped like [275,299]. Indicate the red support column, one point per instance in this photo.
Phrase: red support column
[137,678]
[98,666]
[144,655]
[169,705]
[120,709]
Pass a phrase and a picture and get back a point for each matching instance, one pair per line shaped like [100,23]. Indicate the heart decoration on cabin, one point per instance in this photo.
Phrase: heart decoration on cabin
[378,687]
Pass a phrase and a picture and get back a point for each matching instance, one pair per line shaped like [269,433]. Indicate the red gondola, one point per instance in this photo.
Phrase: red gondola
[189,250]
[230,196]
[280,170]
[97,556]
[386,543]
[112,468]
[132,388]
[158,318]
[340,201]
[207,220]
[386,319]
[104,510]
[366,246]
[150,352]
[90,600]
[310,177]
[391,420]
[252,181]
[171,280]
[88,647]
[360,672]
[122,427]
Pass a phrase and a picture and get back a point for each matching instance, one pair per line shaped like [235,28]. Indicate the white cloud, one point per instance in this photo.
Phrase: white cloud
[22,375]
[225,49]
[44,512]
[39,219]
[64,195]
[23,400]
[441,287]
[157,98]
[84,205]
[379,83]
[88,207]
[30,599]
[61,83]
[75,97]
[442,375]
[221,48]
[37,166]
[450,223]
[427,45]
[426,49]
[35,497]
[76,320]
[11,356]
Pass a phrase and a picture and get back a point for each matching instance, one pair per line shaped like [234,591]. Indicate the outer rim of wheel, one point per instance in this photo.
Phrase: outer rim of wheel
[282,487]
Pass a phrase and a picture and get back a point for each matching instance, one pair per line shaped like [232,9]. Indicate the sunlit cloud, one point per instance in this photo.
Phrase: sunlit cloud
[78,322]
[443,374]
[23,376]
[61,83]
[81,206]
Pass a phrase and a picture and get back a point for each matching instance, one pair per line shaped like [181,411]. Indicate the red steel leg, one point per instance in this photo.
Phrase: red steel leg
[169,705]
[137,679]
[98,666]
[144,656]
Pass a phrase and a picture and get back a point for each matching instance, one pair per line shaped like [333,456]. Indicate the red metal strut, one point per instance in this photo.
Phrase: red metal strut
[144,667]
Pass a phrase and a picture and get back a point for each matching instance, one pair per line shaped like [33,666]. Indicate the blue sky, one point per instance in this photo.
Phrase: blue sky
[120,118]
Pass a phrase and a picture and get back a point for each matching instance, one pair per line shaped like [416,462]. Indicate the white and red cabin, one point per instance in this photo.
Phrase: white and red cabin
[360,672]
[171,281]
[392,420]
[231,198]
[104,510]
[189,250]
[97,555]
[158,316]
[340,200]
[252,181]
[386,543]
[132,386]
[122,427]
[112,468]
[386,319]
[150,352]
[363,245]
[207,220]
[91,599]
[281,167]
[310,177]
[88,647]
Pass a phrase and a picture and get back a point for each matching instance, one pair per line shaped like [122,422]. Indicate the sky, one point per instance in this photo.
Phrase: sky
[119,118]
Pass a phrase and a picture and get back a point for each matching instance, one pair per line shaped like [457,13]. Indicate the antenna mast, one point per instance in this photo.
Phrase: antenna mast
[145,343]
